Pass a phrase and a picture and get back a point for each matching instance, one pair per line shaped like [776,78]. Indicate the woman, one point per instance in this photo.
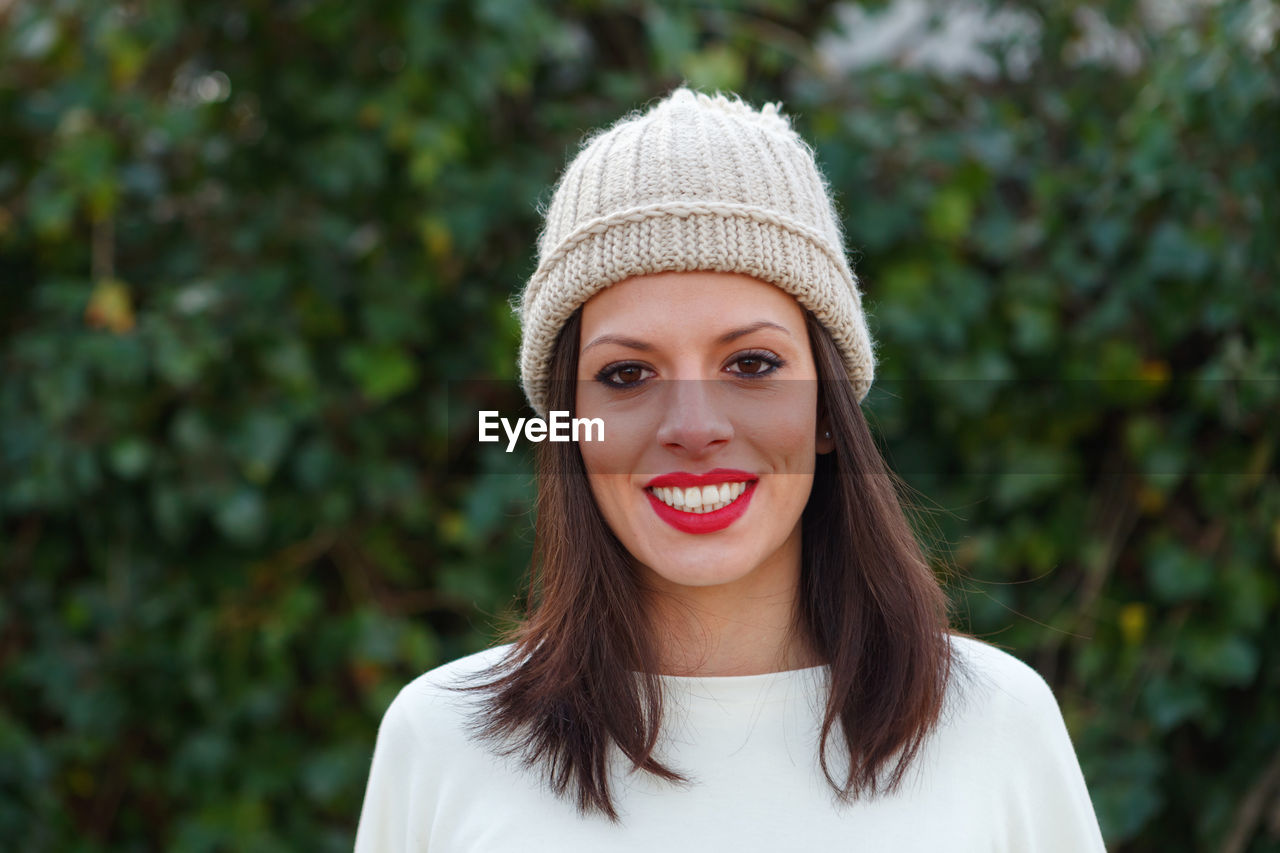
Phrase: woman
[734,640]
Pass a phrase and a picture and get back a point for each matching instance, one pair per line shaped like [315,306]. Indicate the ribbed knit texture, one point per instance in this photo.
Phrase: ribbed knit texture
[698,182]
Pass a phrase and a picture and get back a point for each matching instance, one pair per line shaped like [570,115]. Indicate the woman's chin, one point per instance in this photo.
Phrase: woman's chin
[666,574]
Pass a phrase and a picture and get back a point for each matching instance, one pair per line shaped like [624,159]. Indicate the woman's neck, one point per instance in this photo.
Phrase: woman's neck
[745,628]
[735,652]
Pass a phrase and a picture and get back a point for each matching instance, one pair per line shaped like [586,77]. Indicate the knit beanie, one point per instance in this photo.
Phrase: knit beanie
[698,182]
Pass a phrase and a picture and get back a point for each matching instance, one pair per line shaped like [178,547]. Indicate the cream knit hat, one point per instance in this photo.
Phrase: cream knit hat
[698,182]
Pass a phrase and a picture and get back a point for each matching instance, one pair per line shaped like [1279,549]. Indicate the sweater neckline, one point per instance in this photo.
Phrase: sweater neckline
[762,687]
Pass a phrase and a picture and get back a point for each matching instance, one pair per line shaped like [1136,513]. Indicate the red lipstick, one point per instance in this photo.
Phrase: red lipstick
[707,522]
[714,477]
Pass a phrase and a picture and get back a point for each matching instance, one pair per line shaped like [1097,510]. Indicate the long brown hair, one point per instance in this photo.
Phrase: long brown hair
[581,674]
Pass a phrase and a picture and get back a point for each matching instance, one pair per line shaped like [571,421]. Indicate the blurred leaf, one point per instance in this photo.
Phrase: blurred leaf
[1176,574]
[950,214]
[130,457]
[1223,659]
[110,307]
[260,444]
[241,517]
[381,372]
[715,68]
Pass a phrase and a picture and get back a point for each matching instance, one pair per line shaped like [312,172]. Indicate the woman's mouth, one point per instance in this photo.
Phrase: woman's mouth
[699,499]
[701,503]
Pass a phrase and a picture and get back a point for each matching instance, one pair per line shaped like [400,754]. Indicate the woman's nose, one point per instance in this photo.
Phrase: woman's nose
[694,422]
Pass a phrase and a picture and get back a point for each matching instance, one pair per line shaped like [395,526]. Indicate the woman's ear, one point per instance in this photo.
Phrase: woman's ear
[826,442]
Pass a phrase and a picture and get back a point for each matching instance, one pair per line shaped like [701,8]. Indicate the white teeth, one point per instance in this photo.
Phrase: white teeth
[701,500]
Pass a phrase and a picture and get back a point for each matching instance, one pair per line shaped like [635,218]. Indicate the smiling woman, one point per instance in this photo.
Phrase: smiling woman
[715,433]
[734,640]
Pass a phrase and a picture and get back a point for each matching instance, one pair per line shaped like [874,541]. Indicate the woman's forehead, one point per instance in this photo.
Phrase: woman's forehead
[693,301]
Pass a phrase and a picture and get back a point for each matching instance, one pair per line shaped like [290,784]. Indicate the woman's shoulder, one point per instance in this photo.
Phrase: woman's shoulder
[432,706]
[992,684]
[459,671]
[1005,736]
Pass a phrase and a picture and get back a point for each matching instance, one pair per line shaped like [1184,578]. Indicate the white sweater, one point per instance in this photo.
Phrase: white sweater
[998,774]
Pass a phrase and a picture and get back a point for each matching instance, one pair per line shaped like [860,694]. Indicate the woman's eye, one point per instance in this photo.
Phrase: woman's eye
[756,364]
[623,375]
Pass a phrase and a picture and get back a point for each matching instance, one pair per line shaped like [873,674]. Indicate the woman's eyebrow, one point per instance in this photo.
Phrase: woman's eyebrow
[620,340]
[732,335]
[753,327]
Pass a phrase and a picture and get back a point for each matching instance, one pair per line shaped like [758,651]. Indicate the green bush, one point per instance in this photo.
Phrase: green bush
[250,254]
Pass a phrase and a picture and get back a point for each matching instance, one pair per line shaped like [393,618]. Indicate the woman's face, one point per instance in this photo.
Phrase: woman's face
[707,389]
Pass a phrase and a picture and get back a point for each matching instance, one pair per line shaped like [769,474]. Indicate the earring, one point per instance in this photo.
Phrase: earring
[827,434]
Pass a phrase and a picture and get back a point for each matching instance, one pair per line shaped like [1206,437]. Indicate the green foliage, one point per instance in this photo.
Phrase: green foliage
[249,254]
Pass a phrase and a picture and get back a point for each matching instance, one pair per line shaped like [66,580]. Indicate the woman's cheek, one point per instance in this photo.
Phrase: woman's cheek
[785,443]
[626,435]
